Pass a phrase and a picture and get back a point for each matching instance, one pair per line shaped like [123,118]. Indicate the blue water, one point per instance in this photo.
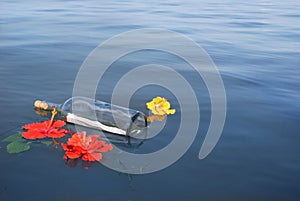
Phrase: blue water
[256,47]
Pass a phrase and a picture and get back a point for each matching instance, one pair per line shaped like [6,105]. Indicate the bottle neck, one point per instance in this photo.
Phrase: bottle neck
[45,105]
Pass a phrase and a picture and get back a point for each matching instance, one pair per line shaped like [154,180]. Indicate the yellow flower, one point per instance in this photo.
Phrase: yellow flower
[160,106]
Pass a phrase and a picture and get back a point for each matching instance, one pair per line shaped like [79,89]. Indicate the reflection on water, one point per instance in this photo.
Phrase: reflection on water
[256,48]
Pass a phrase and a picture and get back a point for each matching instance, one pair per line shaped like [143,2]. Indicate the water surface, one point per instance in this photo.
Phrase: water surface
[256,47]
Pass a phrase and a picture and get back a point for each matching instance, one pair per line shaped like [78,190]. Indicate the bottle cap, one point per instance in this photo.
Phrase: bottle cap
[41,104]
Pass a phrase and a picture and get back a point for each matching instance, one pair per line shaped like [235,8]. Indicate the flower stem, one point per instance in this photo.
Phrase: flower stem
[156,117]
[54,112]
[56,143]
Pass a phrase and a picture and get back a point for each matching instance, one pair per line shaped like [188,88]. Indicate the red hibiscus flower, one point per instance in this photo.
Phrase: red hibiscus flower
[87,147]
[45,129]
[51,128]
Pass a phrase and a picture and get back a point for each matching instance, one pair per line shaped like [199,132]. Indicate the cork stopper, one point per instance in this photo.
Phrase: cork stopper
[41,104]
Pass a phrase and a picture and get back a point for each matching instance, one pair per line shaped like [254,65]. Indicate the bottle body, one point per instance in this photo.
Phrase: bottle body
[101,115]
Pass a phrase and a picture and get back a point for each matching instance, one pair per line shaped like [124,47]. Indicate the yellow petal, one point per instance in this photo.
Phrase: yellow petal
[157,100]
[150,105]
[172,111]
[166,105]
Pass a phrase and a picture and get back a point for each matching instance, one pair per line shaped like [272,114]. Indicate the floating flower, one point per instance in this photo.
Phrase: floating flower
[50,128]
[87,147]
[160,106]
[42,130]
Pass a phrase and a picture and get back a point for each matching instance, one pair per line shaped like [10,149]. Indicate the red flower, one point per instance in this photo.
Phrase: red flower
[45,129]
[87,147]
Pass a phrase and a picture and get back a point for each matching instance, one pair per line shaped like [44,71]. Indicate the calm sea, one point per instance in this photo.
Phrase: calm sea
[256,48]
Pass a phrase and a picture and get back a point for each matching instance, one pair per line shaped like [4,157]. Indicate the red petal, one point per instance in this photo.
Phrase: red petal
[95,145]
[34,126]
[97,156]
[93,137]
[86,157]
[106,148]
[75,140]
[64,146]
[33,134]
[92,157]
[58,124]
[57,133]
[72,155]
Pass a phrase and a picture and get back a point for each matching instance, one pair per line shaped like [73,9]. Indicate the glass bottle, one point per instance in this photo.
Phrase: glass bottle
[99,115]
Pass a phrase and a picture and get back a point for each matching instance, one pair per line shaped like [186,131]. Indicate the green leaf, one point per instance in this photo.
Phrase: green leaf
[48,142]
[17,147]
[13,138]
